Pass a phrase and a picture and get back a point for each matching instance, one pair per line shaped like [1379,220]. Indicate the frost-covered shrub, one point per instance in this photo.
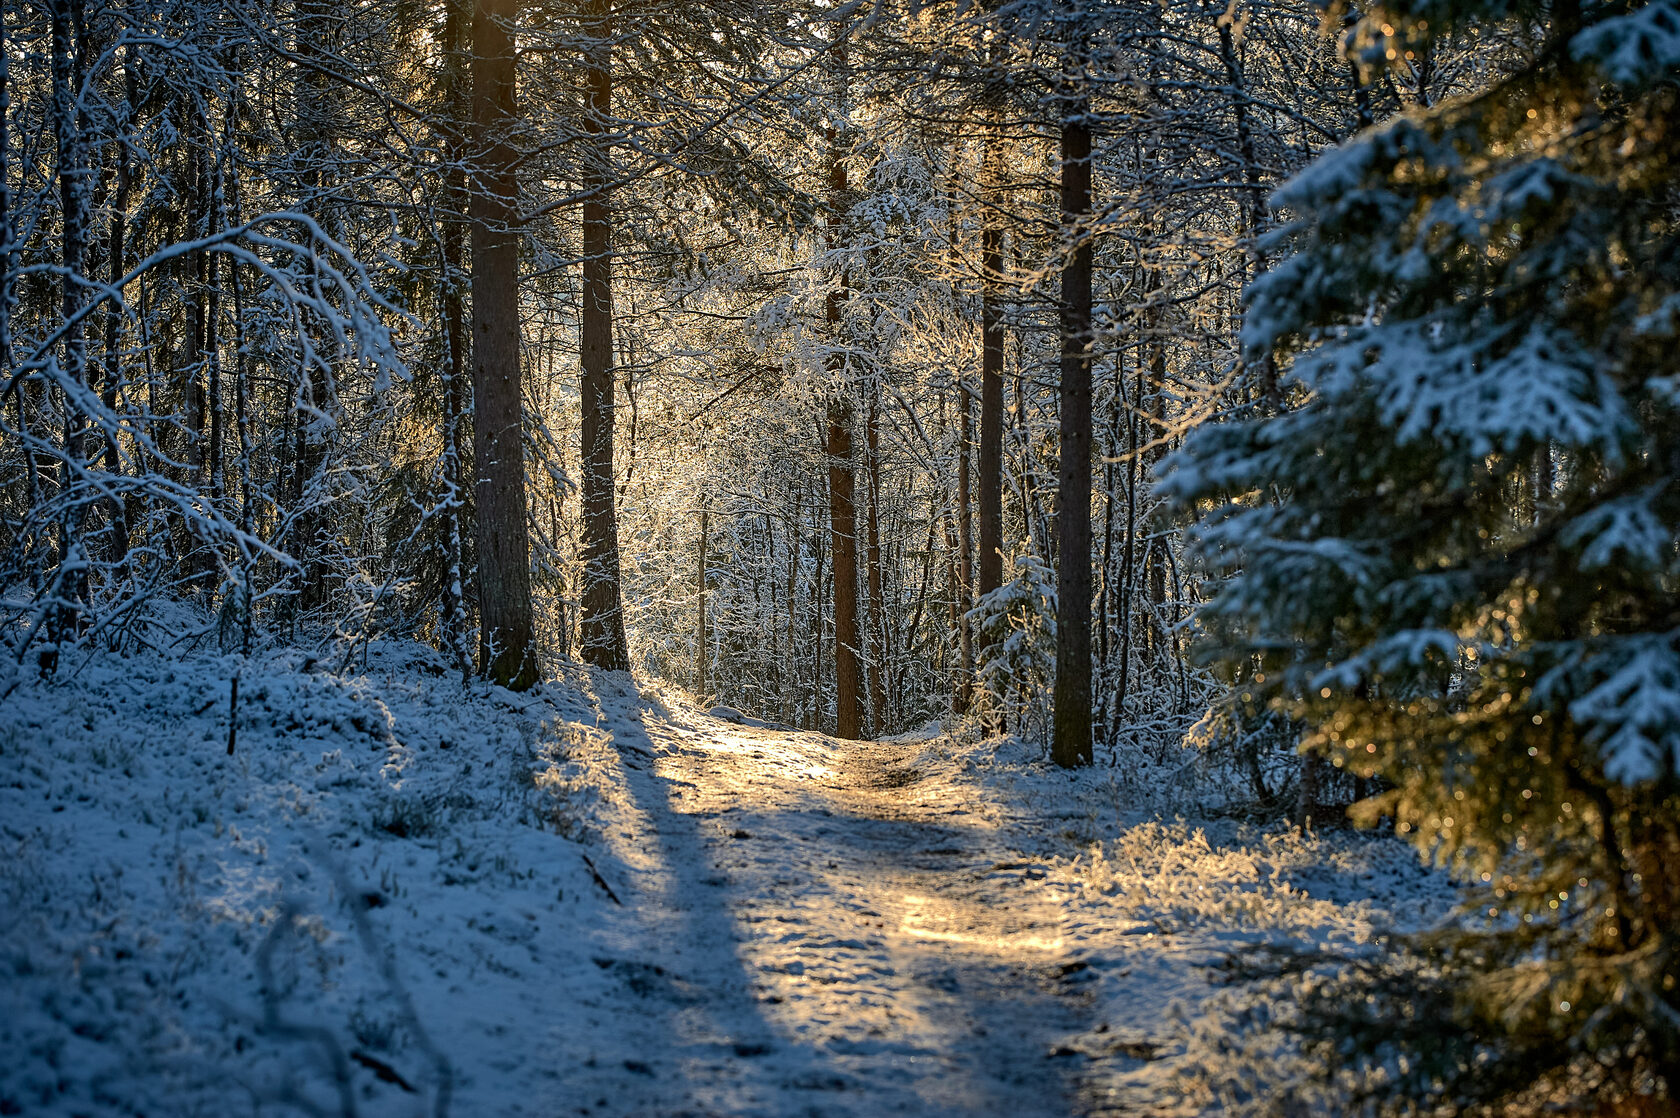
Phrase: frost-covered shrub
[1015,631]
[405,817]
[1253,746]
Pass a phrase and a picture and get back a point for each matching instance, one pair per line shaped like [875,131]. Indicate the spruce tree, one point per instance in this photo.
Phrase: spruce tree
[1455,555]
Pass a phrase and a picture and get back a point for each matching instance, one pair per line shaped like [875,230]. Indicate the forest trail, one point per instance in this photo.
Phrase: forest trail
[887,952]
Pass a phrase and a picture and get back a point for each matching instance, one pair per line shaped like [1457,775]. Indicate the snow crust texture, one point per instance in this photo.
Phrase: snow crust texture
[399,897]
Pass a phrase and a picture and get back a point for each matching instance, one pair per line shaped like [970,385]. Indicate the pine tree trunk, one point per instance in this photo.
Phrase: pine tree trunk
[7,271]
[1105,722]
[317,19]
[819,608]
[192,383]
[772,580]
[214,451]
[1128,559]
[452,609]
[842,506]
[701,636]
[1155,413]
[1306,795]
[877,602]
[842,518]
[1071,743]
[111,374]
[64,620]
[965,548]
[601,625]
[242,432]
[507,639]
[793,707]
[991,367]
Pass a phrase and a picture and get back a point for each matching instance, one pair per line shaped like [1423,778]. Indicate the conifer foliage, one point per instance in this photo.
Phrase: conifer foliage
[1456,556]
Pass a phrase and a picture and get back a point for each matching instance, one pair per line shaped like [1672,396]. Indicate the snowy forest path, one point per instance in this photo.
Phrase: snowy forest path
[858,935]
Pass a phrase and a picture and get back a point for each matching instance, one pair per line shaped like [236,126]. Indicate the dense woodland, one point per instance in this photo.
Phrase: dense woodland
[861,364]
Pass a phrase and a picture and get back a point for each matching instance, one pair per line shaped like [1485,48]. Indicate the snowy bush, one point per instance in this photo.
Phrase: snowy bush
[1015,628]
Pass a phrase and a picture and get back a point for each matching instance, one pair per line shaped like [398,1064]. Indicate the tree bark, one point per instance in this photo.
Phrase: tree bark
[215,451]
[452,609]
[64,620]
[842,519]
[242,432]
[701,636]
[991,366]
[1306,795]
[872,562]
[507,639]
[842,505]
[965,547]
[793,705]
[601,625]
[319,142]
[1155,546]
[1071,742]
[116,251]
[818,607]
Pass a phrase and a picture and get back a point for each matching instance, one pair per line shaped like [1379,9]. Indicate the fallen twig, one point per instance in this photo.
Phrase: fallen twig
[383,1071]
[601,881]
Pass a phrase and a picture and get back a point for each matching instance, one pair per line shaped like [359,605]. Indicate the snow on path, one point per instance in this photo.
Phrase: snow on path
[840,935]
[867,924]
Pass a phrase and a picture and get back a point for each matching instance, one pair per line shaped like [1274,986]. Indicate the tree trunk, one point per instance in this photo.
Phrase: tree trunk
[116,252]
[700,634]
[215,450]
[819,608]
[1253,207]
[842,519]
[965,548]
[1105,721]
[452,609]
[242,432]
[877,600]
[305,537]
[792,706]
[7,271]
[1128,560]
[507,640]
[1071,743]
[601,625]
[70,590]
[192,382]
[1155,547]
[991,366]
[842,506]
[1306,795]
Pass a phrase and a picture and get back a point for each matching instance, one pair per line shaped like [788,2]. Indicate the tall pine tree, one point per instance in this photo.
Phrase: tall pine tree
[1455,556]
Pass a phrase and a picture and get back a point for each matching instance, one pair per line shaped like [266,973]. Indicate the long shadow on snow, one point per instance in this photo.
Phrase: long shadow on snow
[701,1044]
[904,970]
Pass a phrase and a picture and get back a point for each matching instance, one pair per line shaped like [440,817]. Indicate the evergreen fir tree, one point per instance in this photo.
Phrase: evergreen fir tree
[1456,557]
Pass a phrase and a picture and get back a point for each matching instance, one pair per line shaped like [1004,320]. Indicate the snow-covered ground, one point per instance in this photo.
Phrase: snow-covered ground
[400,896]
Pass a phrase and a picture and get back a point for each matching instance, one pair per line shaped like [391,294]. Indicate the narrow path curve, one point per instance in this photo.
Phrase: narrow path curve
[881,924]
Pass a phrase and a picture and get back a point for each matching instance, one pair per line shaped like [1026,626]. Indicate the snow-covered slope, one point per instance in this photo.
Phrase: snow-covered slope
[375,901]
[400,896]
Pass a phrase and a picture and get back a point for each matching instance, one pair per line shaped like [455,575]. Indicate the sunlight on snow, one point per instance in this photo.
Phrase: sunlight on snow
[931,910]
